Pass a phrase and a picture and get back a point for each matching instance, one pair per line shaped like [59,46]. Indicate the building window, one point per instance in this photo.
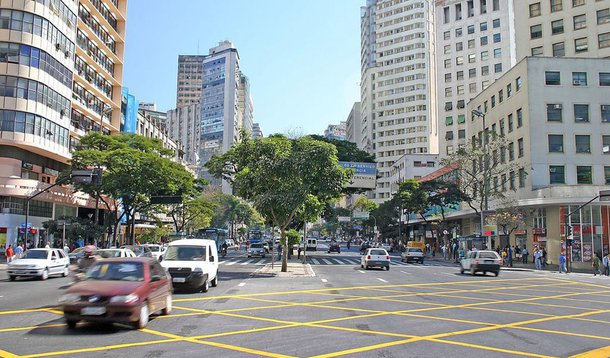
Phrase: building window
[483,26]
[473,73]
[607,175]
[500,96]
[603,40]
[493,101]
[461,118]
[576,3]
[497,52]
[484,70]
[484,55]
[584,175]
[497,38]
[580,22]
[470,29]
[536,31]
[459,46]
[556,5]
[498,68]
[484,40]
[518,83]
[604,79]
[496,5]
[552,78]
[470,8]
[448,92]
[521,178]
[461,134]
[557,174]
[509,90]
[605,110]
[581,113]
[603,16]
[502,127]
[496,23]
[510,123]
[483,6]
[581,45]
[447,77]
[460,75]
[458,12]
[471,59]
[472,88]
[446,35]
[458,32]
[448,120]
[449,135]
[535,10]
[557,27]
[471,44]
[448,63]
[448,106]
[605,144]
[559,49]
[520,148]
[556,143]
[485,84]
[583,144]
[511,179]
[519,118]
[459,60]
[447,49]
[446,15]
[511,151]
[537,51]
[554,112]
[579,78]
[460,89]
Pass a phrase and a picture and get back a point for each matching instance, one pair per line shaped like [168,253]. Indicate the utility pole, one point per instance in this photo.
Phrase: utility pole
[484,140]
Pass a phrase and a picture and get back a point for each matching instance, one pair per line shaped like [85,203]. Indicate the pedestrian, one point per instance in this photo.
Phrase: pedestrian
[444,249]
[596,262]
[18,252]
[538,259]
[509,253]
[562,263]
[544,257]
[524,254]
[606,262]
[504,254]
[9,253]
[455,251]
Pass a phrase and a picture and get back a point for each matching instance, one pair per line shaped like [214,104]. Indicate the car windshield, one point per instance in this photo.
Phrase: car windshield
[256,246]
[185,253]
[377,252]
[154,248]
[78,250]
[108,253]
[36,254]
[488,255]
[414,250]
[116,271]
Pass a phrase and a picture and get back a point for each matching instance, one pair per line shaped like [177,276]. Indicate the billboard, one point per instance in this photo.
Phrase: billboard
[365,175]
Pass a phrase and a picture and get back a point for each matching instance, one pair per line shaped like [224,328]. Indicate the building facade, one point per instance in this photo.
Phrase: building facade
[61,66]
[402,93]
[183,125]
[367,74]
[189,79]
[336,131]
[562,28]
[257,132]
[555,116]
[353,125]
[474,45]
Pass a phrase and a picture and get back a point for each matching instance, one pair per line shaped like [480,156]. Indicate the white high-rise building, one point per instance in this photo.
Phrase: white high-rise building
[400,97]
[367,74]
[475,45]
[336,131]
[183,126]
[353,131]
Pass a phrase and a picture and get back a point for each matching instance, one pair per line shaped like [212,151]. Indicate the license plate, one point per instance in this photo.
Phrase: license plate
[93,311]
[489,261]
[179,279]
[21,272]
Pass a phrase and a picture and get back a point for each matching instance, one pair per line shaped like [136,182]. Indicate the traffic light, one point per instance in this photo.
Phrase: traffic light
[569,231]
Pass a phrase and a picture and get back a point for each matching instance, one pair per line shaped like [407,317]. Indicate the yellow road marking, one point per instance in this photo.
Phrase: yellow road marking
[97,349]
[6,354]
[14,329]
[24,311]
[603,352]
[489,348]
[572,334]
[365,349]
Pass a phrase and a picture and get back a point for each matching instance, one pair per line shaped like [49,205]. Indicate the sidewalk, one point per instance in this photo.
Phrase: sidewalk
[295,269]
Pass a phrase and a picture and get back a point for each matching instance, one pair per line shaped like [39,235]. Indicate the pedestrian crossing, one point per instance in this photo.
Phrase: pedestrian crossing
[344,261]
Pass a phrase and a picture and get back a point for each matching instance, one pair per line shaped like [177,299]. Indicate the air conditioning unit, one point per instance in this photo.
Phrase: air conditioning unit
[67,53]
[62,113]
[58,46]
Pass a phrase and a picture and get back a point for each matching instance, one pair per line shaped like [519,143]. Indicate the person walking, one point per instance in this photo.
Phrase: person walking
[538,259]
[9,254]
[18,252]
[562,263]
[524,254]
[606,263]
[504,254]
[509,255]
[596,263]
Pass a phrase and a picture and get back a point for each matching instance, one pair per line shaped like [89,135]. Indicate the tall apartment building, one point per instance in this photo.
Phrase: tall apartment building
[245,113]
[336,131]
[367,74]
[353,130]
[474,45]
[558,28]
[257,132]
[555,115]
[183,124]
[189,79]
[61,66]
[402,83]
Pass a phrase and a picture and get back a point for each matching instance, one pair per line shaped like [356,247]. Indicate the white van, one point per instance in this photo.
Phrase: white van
[310,244]
[192,263]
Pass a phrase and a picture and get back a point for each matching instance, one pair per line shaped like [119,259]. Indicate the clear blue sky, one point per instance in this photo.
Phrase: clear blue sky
[302,56]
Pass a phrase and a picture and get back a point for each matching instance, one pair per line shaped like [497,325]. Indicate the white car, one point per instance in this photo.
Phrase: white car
[110,253]
[156,250]
[412,254]
[40,263]
[192,263]
[256,249]
[481,261]
[375,257]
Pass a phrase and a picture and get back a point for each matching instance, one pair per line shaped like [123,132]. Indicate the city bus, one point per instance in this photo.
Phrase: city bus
[218,235]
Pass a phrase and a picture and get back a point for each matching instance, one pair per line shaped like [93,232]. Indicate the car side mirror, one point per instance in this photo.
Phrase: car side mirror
[155,278]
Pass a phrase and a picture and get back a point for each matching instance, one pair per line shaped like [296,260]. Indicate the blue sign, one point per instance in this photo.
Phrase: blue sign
[360,168]
[29,225]
[357,227]
[131,112]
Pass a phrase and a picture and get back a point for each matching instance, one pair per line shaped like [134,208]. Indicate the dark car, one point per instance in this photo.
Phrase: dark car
[77,254]
[139,250]
[334,247]
[364,247]
[121,290]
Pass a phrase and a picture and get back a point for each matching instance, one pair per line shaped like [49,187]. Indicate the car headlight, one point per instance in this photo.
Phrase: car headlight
[198,270]
[125,298]
[69,297]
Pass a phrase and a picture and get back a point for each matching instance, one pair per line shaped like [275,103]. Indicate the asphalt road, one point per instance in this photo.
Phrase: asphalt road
[412,310]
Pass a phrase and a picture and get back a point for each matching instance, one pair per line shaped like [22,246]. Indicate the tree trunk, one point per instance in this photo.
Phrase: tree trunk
[284,242]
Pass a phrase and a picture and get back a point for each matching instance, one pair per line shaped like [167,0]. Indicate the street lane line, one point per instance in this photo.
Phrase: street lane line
[324,280]
[361,271]
[231,263]
[261,262]
[315,261]
[382,280]
[406,273]
[242,284]
[600,352]
[4,330]
[247,262]
[327,261]
[337,261]
[6,354]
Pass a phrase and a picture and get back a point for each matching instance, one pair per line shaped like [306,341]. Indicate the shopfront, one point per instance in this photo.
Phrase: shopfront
[590,227]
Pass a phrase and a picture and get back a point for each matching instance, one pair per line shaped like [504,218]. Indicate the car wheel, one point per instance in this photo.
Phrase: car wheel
[66,272]
[168,306]
[361,266]
[205,287]
[71,323]
[215,280]
[263,256]
[248,256]
[366,267]
[45,274]
[496,273]
[143,320]
[461,270]
[473,271]
[387,268]
[12,278]
[339,251]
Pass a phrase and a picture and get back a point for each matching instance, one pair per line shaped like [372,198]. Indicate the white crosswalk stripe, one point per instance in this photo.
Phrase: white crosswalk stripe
[329,261]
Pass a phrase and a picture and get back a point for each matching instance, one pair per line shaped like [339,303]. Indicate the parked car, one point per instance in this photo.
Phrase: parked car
[412,254]
[192,263]
[121,290]
[481,261]
[77,254]
[256,249]
[375,257]
[155,250]
[139,250]
[40,263]
[334,247]
[112,253]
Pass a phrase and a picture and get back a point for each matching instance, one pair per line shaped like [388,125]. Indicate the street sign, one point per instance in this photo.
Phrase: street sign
[360,215]
[81,176]
[343,219]
[604,195]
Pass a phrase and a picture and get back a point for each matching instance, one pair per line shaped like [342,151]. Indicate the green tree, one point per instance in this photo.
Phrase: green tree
[411,198]
[442,196]
[283,178]
[347,151]
[134,169]
[76,229]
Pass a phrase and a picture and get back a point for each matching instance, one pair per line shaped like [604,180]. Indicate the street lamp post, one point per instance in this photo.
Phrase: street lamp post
[485,166]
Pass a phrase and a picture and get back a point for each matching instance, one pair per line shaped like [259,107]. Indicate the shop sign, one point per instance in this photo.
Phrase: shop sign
[28,166]
[50,171]
[520,232]
[540,231]
[587,252]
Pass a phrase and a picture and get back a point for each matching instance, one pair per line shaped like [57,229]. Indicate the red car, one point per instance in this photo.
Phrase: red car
[121,290]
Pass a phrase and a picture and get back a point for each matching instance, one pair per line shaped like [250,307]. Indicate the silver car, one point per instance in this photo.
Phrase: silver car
[256,249]
[412,254]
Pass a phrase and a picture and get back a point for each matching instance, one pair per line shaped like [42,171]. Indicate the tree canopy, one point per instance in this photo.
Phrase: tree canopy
[347,151]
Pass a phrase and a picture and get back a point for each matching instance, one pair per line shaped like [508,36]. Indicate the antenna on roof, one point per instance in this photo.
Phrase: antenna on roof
[197,47]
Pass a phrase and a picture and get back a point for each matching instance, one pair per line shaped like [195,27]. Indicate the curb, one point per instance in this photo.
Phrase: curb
[517,269]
